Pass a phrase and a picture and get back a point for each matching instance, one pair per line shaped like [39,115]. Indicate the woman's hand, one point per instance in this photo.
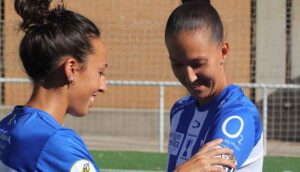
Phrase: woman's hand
[208,159]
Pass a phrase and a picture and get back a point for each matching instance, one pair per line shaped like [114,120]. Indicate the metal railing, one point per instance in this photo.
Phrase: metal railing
[162,85]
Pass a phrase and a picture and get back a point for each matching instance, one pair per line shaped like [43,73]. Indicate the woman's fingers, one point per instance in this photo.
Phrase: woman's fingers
[223,162]
[219,151]
[213,150]
[217,169]
[210,158]
[210,145]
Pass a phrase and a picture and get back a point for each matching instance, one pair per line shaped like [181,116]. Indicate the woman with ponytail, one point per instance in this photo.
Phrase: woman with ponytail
[215,108]
[64,57]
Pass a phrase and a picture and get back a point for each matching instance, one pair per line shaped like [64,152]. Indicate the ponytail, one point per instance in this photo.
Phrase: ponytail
[51,34]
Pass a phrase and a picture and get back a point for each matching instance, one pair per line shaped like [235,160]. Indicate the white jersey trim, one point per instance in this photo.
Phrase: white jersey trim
[256,155]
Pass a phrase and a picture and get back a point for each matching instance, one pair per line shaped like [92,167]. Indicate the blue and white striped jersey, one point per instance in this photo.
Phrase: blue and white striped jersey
[230,116]
[31,140]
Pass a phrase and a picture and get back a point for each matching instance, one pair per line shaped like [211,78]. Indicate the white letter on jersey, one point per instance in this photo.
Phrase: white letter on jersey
[238,132]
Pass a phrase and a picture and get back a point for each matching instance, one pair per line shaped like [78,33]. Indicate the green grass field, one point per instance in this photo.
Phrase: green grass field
[156,161]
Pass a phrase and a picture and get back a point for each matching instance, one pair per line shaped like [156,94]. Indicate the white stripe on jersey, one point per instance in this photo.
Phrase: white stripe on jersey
[191,136]
[174,124]
[175,120]
[255,158]
[5,168]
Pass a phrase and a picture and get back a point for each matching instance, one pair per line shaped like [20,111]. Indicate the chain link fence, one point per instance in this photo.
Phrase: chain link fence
[133,114]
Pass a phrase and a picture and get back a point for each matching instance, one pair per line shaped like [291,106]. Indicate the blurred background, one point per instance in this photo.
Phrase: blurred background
[133,115]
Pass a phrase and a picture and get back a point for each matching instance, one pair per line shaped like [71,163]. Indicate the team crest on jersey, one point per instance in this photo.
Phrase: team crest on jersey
[83,166]
[175,141]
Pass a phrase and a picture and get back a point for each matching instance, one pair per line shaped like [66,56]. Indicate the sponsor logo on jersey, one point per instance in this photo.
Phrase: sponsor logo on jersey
[192,136]
[196,124]
[175,141]
[83,166]
[236,133]
[187,146]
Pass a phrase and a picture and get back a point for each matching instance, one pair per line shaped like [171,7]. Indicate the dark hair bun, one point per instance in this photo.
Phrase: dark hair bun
[196,1]
[32,11]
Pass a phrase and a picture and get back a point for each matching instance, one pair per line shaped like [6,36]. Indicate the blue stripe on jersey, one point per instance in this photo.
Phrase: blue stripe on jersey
[231,116]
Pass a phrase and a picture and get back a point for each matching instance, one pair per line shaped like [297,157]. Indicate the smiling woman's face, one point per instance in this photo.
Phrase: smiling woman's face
[89,81]
[198,63]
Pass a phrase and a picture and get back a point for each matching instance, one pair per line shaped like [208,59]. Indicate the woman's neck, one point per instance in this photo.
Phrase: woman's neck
[52,101]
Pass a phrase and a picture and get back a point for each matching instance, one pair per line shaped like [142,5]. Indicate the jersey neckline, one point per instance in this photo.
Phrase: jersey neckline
[27,110]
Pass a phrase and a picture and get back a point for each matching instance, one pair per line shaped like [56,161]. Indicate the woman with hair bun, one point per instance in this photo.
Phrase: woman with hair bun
[63,55]
[215,108]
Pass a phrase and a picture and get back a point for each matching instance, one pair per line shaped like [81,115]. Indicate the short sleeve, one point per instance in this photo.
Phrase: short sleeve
[237,129]
[66,152]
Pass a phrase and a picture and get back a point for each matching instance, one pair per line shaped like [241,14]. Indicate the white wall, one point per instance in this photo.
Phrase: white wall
[270,43]
[295,39]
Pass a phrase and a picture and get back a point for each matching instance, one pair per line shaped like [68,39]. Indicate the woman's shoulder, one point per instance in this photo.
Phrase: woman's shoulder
[65,138]
[66,146]
[236,100]
[64,142]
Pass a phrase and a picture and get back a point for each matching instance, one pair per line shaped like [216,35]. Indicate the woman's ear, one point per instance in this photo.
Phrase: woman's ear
[224,52]
[71,67]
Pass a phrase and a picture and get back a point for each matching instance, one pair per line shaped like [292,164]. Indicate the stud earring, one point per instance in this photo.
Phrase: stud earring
[71,79]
